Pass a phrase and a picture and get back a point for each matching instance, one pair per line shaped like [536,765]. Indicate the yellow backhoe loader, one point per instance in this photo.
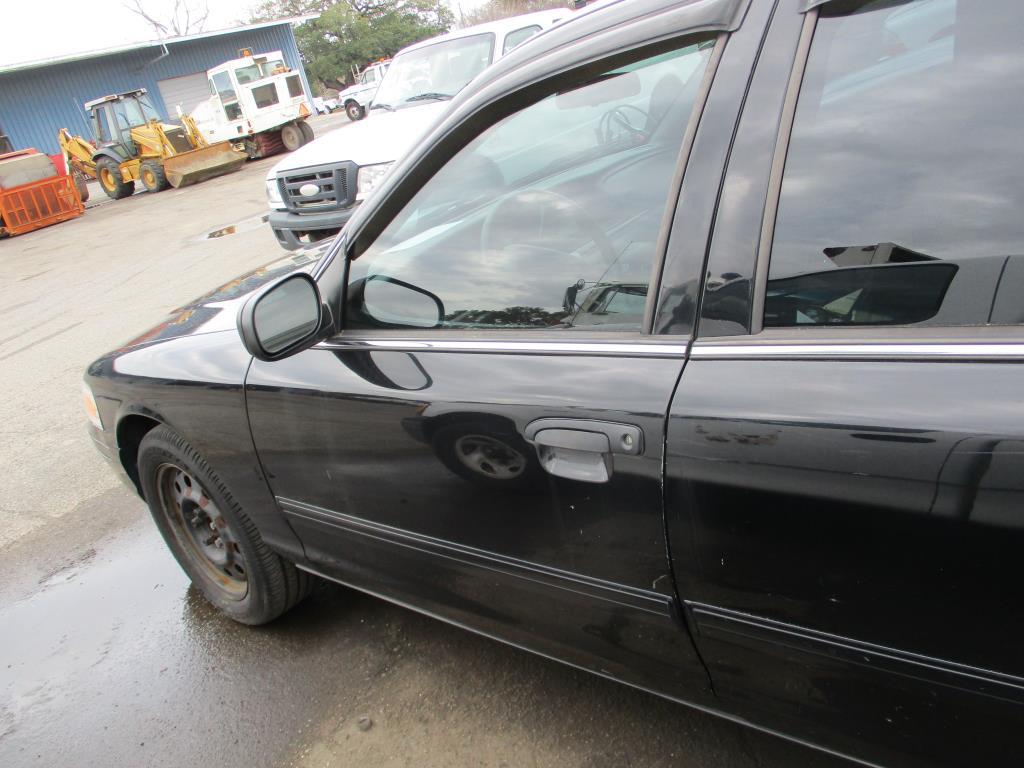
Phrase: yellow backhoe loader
[132,144]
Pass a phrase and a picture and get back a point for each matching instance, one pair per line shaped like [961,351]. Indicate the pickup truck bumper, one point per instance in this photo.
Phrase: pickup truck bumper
[291,228]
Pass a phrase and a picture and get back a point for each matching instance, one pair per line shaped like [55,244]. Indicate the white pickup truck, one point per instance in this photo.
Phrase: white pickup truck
[356,99]
[313,191]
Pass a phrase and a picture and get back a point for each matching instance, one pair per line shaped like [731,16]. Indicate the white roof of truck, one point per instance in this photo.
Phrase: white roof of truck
[499,28]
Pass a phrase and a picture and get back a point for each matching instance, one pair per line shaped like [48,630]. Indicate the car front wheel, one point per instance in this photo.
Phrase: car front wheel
[354,111]
[212,539]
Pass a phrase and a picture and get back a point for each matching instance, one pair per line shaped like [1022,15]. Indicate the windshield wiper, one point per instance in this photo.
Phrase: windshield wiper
[388,107]
[423,96]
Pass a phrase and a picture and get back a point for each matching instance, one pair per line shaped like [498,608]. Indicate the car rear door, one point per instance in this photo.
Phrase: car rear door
[844,451]
[483,442]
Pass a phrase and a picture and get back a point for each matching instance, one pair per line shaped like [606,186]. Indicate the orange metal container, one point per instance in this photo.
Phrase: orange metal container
[39,204]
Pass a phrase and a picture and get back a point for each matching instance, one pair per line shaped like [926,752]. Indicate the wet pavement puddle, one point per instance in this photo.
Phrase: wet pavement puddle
[245,225]
[114,660]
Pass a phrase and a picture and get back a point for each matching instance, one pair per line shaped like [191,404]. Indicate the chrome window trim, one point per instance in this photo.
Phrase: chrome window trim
[510,347]
[832,350]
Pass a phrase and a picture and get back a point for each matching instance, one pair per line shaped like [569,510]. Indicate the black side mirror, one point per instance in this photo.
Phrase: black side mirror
[286,317]
[391,303]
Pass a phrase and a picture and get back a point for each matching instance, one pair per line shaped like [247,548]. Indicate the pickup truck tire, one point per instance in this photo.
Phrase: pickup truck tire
[109,174]
[484,454]
[354,111]
[212,539]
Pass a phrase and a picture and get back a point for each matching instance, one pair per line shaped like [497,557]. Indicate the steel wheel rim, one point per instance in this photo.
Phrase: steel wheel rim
[201,529]
[489,457]
[291,135]
[148,178]
[107,179]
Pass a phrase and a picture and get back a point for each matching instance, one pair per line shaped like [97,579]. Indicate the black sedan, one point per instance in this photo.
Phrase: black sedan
[686,349]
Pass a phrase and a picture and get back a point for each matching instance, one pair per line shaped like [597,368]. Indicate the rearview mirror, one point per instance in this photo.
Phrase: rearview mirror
[603,91]
[284,318]
[396,303]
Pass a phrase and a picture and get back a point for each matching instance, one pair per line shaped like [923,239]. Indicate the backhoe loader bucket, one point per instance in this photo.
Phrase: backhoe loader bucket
[201,164]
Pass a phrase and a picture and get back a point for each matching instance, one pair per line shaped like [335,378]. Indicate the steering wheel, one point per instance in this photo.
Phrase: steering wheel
[524,205]
[616,122]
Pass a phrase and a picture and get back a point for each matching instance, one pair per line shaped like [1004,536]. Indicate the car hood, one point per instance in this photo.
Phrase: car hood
[381,138]
[217,310]
[352,90]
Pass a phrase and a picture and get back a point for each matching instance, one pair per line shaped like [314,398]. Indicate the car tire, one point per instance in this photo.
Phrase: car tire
[354,111]
[481,453]
[307,132]
[109,174]
[292,137]
[211,537]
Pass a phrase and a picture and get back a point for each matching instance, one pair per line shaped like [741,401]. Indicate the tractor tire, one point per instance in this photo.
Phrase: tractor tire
[81,186]
[354,111]
[292,137]
[109,174]
[153,177]
[307,131]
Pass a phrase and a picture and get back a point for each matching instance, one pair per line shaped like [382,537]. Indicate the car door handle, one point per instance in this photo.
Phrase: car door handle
[582,449]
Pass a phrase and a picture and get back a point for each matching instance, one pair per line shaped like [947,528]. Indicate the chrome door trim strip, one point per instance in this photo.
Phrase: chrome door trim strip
[538,347]
[734,626]
[633,597]
[836,350]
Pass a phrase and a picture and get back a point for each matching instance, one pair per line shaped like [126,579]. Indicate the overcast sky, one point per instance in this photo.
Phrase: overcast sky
[39,30]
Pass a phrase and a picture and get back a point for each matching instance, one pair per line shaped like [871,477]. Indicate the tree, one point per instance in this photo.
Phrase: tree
[184,19]
[271,10]
[351,33]
[493,10]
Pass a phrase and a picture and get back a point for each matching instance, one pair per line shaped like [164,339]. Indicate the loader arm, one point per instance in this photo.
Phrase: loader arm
[193,132]
[152,141]
[77,153]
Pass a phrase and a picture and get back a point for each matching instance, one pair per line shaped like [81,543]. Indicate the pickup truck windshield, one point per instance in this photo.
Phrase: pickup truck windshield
[437,71]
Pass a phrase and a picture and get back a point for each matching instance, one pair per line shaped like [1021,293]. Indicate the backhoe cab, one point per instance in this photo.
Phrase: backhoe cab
[130,143]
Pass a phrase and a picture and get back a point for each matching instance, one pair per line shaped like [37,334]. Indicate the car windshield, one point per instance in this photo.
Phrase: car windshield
[437,71]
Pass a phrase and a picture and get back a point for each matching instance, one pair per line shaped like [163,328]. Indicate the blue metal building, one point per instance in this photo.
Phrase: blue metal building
[38,98]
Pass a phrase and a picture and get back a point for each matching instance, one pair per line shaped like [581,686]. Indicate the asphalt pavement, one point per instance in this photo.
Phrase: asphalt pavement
[109,658]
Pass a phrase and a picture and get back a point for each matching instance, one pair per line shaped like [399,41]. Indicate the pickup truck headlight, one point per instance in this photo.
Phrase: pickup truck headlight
[89,402]
[274,194]
[369,178]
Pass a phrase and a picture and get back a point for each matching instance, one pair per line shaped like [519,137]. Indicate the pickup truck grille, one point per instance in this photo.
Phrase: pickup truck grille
[335,187]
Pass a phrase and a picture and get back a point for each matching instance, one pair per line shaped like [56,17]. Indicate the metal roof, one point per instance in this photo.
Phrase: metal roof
[151,44]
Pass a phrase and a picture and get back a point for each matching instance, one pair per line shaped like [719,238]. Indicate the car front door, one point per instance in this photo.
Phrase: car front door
[846,446]
[484,440]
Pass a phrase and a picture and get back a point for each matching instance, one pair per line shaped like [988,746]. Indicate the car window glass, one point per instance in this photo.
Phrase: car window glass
[514,38]
[441,68]
[901,196]
[549,218]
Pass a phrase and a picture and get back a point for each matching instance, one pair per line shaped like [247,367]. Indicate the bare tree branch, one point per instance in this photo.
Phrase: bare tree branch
[179,22]
[135,6]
